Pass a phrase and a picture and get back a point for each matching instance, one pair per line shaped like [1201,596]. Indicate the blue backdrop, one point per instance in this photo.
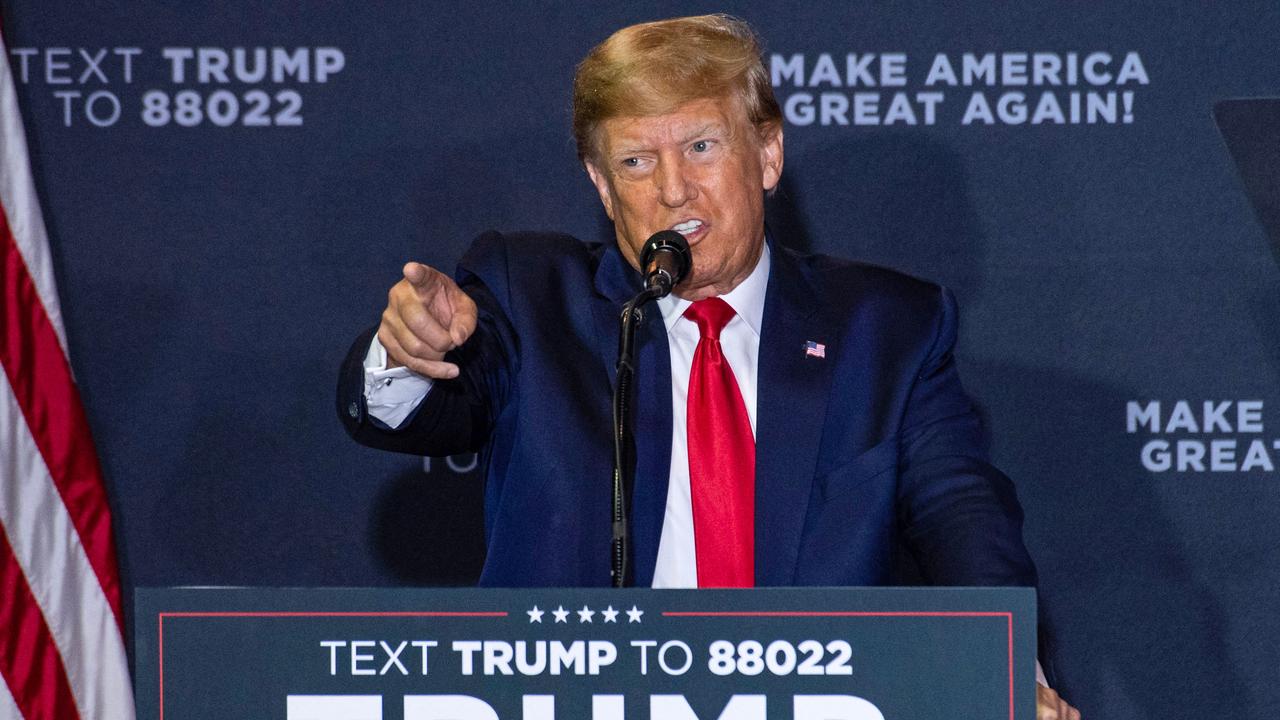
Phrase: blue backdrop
[225,222]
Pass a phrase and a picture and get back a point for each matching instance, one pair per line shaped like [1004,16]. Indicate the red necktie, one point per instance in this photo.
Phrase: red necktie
[722,458]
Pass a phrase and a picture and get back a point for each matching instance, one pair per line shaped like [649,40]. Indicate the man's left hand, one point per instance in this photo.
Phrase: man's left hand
[1050,706]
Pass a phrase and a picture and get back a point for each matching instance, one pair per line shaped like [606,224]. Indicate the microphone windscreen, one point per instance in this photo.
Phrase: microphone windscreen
[669,251]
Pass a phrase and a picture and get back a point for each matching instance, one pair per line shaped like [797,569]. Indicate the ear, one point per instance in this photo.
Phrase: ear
[601,182]
[771,156]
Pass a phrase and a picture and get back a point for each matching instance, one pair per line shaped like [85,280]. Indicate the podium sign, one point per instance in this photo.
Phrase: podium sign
[586,654]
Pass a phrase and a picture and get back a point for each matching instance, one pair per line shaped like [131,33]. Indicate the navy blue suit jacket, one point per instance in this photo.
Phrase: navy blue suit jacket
[874,445]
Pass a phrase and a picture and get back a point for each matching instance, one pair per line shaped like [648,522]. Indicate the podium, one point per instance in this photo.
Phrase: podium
[585,654]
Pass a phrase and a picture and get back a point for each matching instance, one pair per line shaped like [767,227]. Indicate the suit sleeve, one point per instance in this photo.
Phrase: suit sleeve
[458,415]
[960,515]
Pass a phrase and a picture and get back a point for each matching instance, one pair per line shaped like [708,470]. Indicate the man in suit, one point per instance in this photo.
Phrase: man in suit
[798,418]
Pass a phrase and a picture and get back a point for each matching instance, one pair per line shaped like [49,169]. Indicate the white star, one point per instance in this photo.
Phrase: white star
[610,615]
[585,614]
[562,615]
[535,615]
[633,615]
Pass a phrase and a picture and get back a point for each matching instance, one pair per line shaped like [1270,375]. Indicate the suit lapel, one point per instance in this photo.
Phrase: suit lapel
[616,282]
[791,404]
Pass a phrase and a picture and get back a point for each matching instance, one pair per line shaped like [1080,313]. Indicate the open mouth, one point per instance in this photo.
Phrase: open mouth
[692,230]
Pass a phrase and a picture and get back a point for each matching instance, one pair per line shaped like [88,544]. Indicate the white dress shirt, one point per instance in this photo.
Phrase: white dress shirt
[677,565]
[391,395]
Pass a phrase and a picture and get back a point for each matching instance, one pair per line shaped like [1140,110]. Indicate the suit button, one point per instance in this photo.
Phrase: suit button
[353,410]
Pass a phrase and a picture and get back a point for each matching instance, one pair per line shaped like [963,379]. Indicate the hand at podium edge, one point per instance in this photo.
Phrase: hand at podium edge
[1051,706]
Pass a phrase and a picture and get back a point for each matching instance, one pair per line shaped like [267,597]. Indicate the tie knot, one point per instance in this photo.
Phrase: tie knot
[711,315]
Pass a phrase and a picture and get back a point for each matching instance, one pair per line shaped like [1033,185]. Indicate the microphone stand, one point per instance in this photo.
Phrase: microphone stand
[665,259]
[623,441]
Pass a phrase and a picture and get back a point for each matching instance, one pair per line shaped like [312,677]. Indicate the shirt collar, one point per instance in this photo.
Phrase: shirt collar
[747,299]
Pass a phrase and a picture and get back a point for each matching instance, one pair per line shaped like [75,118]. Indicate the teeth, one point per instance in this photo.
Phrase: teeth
[688,227]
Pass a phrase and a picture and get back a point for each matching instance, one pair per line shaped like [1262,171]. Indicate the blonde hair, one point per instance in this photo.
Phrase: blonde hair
[651,68]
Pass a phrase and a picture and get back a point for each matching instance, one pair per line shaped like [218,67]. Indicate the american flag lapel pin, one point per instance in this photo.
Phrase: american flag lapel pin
[815,349]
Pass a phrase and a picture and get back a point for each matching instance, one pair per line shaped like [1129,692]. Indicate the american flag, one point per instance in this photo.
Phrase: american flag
[815,349]
[61,639]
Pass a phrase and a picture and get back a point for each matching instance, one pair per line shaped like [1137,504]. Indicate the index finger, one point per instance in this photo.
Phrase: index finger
[417,274]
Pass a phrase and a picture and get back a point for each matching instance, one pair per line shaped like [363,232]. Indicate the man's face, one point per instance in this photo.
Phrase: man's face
[700,170]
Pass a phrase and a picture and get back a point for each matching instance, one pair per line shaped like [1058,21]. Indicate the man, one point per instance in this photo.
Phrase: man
[797,417]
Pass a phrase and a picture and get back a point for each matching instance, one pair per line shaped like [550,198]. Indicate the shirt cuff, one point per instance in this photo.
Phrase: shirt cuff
[392,395]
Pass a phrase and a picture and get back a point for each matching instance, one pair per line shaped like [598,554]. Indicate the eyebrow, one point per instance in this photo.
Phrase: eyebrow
[708,129]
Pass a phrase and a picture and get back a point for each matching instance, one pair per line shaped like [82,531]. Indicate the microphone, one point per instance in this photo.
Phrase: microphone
[665,260]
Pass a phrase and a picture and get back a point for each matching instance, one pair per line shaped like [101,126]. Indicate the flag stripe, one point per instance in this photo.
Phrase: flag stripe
[29,659]
[18,198]
[8,706]
[57,573]
[41,381]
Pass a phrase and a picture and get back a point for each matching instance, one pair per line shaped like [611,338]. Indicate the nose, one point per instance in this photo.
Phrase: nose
[675,188]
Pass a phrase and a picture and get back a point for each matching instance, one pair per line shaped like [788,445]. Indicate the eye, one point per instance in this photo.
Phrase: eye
[631,162]
[701,146]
